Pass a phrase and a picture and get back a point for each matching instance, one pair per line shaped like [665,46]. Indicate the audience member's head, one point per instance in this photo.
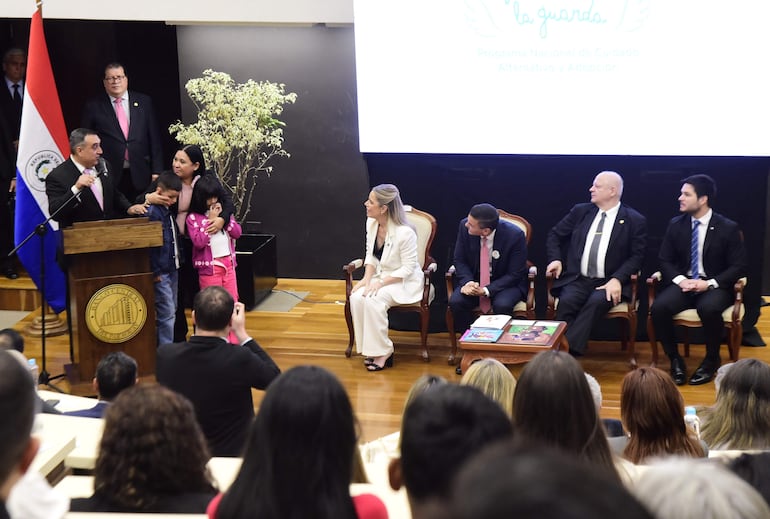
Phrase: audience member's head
[494,380]
[212,309]
[17,408]
[442,427]
[298,459]
[721,372]
[685,488]
[10,339]
[422,384]
[527,479]
[740,417]
[151,450]
[652,411]
[114,373]
[755,470]
[553,404]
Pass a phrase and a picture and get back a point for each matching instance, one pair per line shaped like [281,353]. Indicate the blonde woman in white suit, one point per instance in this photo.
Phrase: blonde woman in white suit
[392,275]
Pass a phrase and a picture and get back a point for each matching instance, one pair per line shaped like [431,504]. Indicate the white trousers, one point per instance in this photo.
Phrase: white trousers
[370,321]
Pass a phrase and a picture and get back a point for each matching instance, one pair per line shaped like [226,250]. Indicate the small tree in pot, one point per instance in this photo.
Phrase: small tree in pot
[237,129]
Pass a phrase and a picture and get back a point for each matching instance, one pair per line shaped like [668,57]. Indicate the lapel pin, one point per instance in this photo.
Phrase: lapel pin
[495,254]
[622,222]
[136,104]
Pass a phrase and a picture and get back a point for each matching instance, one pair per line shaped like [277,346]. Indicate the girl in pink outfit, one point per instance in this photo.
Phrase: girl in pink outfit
[213,255]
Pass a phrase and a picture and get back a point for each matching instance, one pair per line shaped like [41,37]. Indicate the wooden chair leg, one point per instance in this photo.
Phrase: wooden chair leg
[450,326]
[632,324]
[424,320]
[653,342]
[349,321]
[734,337]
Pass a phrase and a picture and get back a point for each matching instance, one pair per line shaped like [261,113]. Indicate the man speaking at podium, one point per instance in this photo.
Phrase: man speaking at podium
[81,188]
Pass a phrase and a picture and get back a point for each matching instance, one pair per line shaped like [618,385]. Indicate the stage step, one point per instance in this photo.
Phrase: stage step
[18,294]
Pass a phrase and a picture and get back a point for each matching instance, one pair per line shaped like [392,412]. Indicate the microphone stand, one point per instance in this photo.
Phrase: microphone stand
[41,229]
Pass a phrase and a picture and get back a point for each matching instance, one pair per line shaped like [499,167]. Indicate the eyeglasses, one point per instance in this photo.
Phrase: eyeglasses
[114,79]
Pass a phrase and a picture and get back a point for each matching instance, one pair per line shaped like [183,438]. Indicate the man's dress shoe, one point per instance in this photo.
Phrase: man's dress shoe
[11,273]
[678,372]
[703,375]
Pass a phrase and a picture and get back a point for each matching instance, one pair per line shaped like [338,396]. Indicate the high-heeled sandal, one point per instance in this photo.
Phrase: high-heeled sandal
[376,367]
[368,361]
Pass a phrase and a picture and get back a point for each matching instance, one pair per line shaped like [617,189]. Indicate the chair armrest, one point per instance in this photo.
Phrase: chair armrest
[634,290]
[449,278]
[348,273]
[550,309]
[652,284]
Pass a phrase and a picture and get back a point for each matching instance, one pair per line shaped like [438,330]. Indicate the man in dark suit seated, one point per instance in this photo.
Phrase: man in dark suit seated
[503,248]
[114,373]
[125,120]
[592,253]
[701,258]
[97,198]
[217,376]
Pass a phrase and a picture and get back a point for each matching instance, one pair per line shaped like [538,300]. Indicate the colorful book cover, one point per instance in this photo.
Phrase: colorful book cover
[537,333]
[481,335]
[491,321]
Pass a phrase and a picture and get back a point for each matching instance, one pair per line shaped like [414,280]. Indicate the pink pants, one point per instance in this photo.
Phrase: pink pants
[222,277]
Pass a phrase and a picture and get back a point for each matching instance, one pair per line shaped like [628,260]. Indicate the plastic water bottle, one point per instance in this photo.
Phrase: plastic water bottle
[691,420]
[34,370]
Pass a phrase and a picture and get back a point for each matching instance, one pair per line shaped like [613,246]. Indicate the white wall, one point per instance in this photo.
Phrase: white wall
[189,11]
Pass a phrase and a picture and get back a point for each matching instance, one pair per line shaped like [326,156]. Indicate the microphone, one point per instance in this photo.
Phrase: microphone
[101,167]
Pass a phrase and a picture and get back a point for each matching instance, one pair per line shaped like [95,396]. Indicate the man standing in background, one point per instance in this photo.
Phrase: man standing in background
[11,100]
[125,121]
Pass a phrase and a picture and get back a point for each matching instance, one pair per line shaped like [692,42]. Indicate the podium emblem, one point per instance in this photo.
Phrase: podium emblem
[116,313]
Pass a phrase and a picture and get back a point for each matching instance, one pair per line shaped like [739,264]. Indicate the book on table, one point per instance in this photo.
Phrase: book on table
[530,332]
[481,335]
[496,322]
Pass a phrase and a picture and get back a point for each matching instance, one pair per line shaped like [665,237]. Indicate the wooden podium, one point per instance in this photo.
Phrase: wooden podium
[112,297]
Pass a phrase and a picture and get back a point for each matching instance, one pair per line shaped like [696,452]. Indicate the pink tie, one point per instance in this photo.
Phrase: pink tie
[96,188]
[484,303]
[122,119]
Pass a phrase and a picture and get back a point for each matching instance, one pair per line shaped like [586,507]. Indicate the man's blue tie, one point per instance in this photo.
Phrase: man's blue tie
[694,250]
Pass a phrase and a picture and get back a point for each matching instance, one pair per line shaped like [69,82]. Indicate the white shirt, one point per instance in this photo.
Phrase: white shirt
[10,84]
[604,241]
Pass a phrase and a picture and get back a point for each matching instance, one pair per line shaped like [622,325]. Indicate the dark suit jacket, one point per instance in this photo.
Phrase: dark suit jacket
[7,155]
[83,208]
[724,256]
[625,252]
[9,110]
[217,378]
[96,411]
[509,270]
[144,141]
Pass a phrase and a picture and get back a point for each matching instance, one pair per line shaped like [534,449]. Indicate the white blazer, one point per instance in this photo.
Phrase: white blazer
[399,259]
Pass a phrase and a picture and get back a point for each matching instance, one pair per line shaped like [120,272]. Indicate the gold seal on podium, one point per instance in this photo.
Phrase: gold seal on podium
[116,313]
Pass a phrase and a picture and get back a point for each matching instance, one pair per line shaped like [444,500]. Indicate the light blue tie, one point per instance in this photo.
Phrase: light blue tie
[694,250]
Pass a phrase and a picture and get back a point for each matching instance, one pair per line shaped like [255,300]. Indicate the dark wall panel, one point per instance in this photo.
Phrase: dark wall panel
[313,201]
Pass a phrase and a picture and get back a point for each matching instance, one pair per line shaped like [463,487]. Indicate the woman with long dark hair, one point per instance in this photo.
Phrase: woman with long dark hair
[553,404]
[298,461]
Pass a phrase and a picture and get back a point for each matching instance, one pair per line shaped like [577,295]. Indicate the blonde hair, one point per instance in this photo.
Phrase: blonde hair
[388,195]
[494,380]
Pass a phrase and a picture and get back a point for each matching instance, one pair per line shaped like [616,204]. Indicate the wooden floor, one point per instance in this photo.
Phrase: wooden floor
[314,332]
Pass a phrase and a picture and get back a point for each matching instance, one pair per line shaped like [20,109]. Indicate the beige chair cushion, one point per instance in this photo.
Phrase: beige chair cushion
[692,315]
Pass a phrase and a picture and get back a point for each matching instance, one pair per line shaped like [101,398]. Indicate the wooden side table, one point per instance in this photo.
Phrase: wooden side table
[512,348]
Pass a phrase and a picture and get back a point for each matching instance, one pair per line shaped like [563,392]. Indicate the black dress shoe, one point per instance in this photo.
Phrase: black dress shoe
[703,375]
[678,371]
[459,370]
[11,273]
